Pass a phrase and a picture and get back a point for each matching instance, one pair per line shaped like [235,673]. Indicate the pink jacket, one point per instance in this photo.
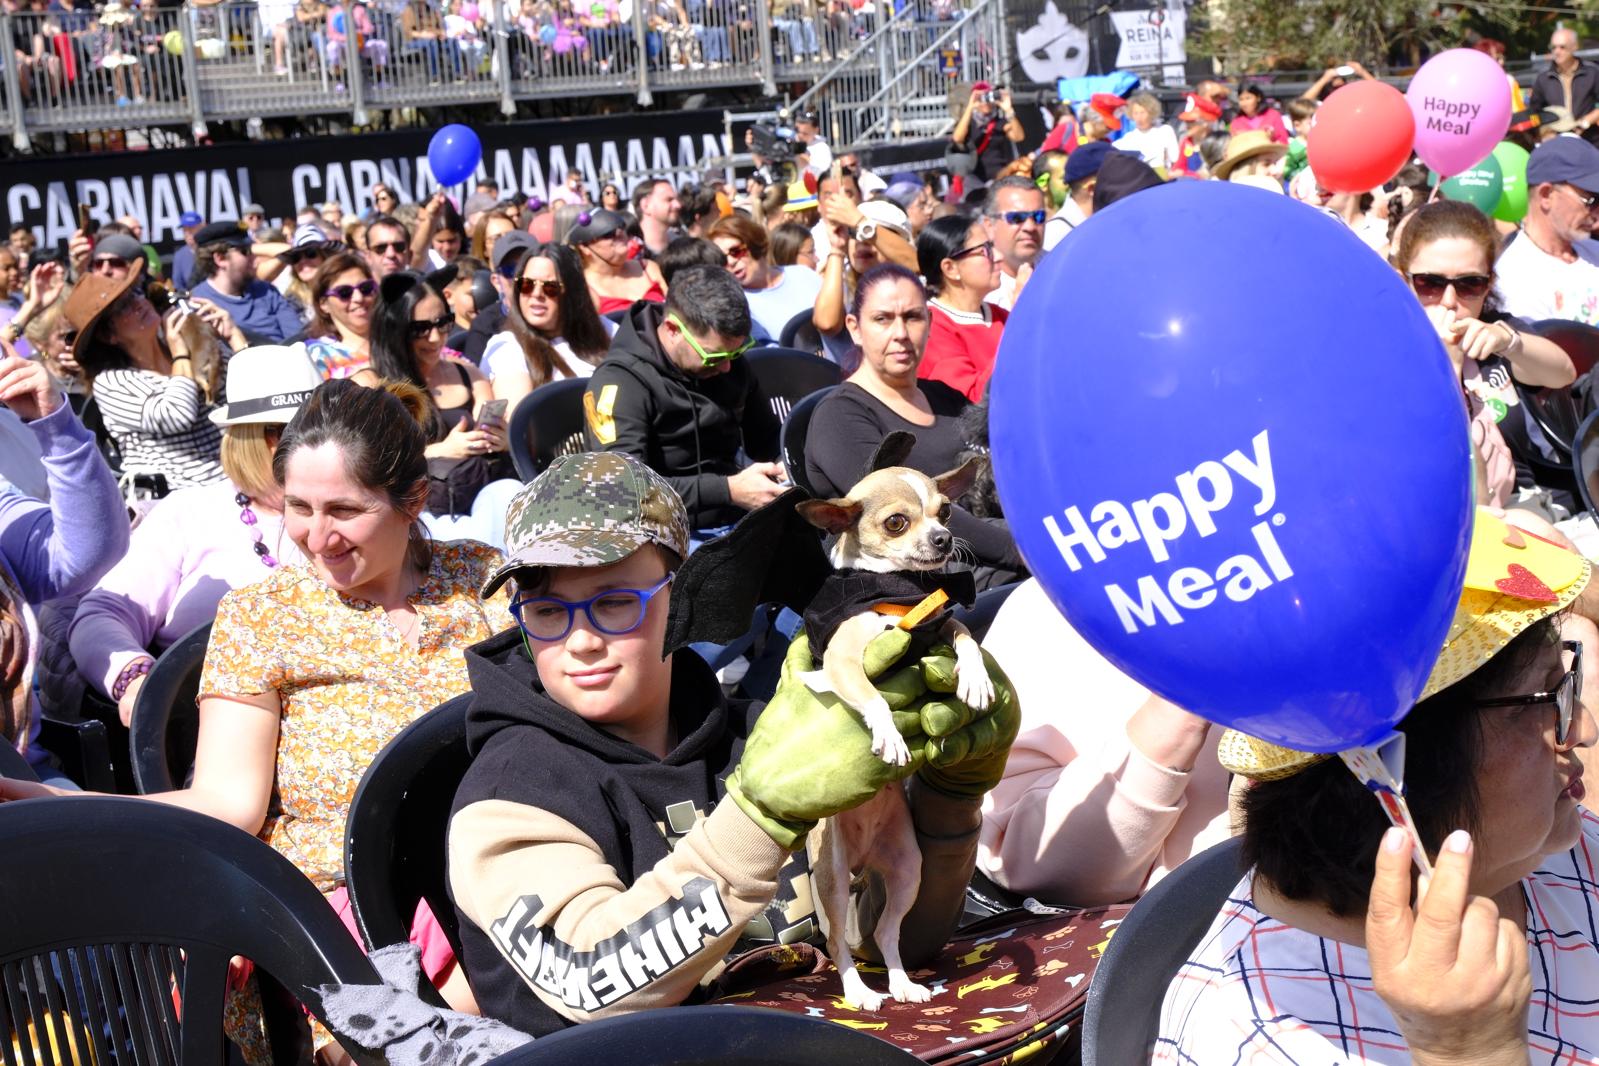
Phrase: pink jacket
[1081,816]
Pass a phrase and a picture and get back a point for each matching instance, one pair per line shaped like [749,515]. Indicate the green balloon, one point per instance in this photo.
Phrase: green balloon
[1512,205]
[1480,186]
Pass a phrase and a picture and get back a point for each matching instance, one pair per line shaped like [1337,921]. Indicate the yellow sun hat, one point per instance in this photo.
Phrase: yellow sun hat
[1513,581]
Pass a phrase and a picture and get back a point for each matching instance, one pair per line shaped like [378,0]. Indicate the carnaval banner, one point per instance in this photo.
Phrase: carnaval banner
[283,176]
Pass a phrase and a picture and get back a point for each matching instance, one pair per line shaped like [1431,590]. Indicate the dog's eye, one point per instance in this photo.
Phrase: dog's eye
[943,513]
[896,524]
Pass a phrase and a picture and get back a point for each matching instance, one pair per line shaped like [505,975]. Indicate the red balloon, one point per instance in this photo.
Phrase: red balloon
[1361,136]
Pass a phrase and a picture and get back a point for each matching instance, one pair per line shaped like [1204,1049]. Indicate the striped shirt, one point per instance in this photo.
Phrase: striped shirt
[1257,991]
[161,425]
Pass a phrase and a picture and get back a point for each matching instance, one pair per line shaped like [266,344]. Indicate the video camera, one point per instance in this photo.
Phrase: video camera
[775,145]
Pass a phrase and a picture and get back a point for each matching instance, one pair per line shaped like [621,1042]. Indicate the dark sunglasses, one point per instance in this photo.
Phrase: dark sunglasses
[422,328]
[1471,286]
[530,286]
[738,251]
[342,293]
[391,246]
[986,250]
[115,262]
[1016,218]
[1566,696]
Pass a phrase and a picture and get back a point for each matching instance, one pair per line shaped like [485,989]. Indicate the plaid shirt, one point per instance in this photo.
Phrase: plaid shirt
[1256,991]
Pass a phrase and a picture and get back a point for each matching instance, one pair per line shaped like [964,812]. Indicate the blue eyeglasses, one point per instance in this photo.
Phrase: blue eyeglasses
[614,612]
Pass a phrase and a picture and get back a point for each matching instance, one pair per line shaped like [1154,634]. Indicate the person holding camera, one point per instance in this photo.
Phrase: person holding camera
[986,133]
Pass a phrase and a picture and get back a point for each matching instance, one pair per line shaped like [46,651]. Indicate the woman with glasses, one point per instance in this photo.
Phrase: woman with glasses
[776,294]
[343,295]
[616,280]
[959,261]
[1446,252]
[1319,954]
[469,472]
[889,321]
[552,330]
[384,202]
[312,669]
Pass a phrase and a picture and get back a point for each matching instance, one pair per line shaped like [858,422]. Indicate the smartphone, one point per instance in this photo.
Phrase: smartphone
[492,411]
[1345,72]
[86,222]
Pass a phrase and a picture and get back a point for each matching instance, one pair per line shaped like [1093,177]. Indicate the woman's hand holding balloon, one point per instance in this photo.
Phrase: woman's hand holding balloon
[1453,970]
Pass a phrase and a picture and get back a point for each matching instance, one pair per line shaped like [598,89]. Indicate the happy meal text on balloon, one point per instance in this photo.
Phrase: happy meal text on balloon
[1449,116]
[1201,493]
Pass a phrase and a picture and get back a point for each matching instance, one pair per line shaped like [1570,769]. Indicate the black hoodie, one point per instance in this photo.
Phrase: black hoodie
[593,879]
[695,432]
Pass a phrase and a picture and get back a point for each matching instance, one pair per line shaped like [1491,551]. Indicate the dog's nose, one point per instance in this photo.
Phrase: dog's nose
[940,539]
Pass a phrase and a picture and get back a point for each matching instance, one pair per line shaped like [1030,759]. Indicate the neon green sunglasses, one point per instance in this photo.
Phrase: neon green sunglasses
[709,358]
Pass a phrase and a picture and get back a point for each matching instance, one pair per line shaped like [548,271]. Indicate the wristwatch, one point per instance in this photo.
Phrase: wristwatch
[866,230]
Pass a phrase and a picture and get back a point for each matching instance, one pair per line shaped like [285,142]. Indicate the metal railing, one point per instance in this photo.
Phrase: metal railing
[122,67]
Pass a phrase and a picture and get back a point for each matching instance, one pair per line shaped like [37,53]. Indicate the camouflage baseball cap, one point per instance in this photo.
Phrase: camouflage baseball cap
[590,509]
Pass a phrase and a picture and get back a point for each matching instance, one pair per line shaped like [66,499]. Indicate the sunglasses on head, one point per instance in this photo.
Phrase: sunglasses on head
[531,286]
[1471,286]
[1016,218]
[390,246]
[709,358]
[342,293]
[421,328]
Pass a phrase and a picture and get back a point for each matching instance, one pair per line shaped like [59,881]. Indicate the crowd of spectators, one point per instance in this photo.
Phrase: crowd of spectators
[310,418]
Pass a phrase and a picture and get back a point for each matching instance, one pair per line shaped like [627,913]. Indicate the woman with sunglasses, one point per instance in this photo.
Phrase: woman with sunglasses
[552,330]
[776,294]
[1319,954]
[466,451]
[888,320]
[343,295]
[615,280]
[961,266]
[1446,252]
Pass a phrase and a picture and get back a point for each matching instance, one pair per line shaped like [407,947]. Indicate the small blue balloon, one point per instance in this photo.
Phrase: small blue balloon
[1253,497]
[454,153]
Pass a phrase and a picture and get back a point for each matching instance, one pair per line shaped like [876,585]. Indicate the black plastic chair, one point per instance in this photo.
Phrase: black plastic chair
[799,333]
[83,748]
[1585,461]
[1148,949]
[796,427]
[787,376]
[1555,411]
[125,902]
[166,721]
[548,423]
[13,765]
[720,1035]
[394,842]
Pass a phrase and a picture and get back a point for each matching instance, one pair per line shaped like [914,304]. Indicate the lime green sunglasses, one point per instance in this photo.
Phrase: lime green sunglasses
[709,358]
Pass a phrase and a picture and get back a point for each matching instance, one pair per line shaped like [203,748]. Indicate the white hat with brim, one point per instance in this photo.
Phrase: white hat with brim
[267,383]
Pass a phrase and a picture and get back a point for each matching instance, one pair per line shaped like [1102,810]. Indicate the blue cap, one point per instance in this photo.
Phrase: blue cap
[1567,159]
[1086,160]
[189,218]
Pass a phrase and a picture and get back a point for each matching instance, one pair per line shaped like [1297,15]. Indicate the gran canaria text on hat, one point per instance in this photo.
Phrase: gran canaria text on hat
[1162,518]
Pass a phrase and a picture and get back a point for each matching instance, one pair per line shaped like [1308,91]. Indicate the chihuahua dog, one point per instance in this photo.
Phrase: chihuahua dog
[890,528]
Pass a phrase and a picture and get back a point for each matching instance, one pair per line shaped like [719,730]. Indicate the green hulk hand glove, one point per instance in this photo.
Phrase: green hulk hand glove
[810,756]
[964,752]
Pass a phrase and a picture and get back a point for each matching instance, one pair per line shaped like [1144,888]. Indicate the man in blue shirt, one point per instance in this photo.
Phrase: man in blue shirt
[183,258]
[222,255]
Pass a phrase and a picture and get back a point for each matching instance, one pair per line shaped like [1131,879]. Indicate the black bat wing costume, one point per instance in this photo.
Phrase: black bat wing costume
[774,555]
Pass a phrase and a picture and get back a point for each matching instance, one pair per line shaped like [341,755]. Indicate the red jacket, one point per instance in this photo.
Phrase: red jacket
[960,351]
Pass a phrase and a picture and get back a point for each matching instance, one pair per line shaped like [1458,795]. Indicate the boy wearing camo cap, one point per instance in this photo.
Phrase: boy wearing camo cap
[625,827]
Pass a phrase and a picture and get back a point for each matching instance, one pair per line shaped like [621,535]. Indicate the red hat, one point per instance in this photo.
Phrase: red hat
[1106,104]
[981,87]
[1199,107]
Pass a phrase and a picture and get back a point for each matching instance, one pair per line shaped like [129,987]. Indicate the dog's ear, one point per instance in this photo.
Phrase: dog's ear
[833,516]
[894,450]
[958,482]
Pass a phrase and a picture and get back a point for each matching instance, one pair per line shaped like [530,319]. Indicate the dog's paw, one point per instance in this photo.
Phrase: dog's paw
[858,996]
[904,990]
[974,687]
[890,747]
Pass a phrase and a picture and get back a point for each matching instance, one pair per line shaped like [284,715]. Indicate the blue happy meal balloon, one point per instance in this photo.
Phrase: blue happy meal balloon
[1240,465]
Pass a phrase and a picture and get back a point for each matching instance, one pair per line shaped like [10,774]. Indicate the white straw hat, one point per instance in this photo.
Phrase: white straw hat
[267,383]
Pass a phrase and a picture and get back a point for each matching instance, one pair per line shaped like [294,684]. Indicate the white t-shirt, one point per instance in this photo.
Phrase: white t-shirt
[503,355]
[1005,295]
[820,156]
[771,309]
[1062,222]
[1534,284]
[1158,145]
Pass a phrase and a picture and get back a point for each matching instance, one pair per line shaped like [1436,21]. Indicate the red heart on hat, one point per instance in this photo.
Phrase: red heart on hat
[1523,584]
